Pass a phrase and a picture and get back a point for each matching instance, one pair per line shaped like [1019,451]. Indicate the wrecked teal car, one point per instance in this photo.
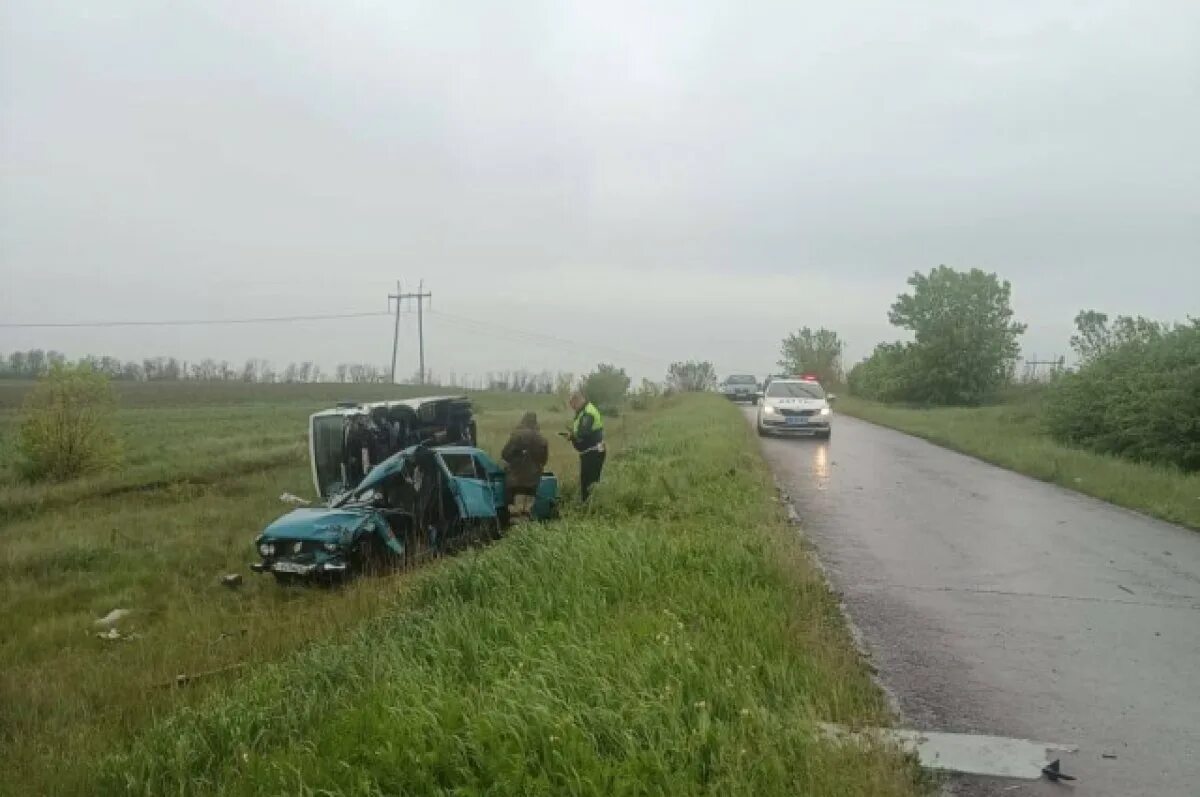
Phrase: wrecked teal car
[419,503]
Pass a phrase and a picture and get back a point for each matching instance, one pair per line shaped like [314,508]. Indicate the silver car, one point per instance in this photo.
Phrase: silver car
[740,387]
[795,407]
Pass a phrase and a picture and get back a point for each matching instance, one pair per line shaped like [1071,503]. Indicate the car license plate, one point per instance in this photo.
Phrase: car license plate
[291,567]
[794,421]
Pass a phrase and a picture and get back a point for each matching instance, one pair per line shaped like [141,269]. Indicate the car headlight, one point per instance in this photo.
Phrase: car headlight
[331,547]
[768,410]
[298,547]
[266,549]
[826,411]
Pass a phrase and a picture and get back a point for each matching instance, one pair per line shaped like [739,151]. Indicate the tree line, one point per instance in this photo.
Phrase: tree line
[1134,392]
[36,363]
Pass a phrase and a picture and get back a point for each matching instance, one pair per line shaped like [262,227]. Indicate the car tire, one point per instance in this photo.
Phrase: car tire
[825,435]
[367,559]
[762,432]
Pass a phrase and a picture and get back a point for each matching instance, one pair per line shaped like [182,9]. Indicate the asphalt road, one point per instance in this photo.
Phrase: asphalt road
[993,603]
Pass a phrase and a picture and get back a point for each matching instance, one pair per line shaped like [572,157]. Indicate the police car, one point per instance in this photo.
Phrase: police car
[795,405]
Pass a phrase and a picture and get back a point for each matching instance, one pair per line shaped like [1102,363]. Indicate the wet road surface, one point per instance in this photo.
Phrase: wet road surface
[993,603]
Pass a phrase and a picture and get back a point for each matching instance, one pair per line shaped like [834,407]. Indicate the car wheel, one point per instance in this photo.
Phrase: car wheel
[761,431]
[368,556]
[825,435]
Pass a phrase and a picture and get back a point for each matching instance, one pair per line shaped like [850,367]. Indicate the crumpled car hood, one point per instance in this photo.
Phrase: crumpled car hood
[318,524]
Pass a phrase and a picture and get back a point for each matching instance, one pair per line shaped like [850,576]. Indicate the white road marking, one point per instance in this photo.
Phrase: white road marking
[965,753]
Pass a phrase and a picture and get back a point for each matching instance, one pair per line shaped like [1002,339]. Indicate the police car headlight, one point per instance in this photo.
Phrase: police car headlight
[768,410]
[266,549]
[826,411]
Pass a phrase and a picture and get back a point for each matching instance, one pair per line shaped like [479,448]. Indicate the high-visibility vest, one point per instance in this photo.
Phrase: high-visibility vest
[597,418]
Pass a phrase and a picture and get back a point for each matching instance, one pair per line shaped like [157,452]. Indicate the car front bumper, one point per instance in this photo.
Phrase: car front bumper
[745,395]
[816,425]
[330,567]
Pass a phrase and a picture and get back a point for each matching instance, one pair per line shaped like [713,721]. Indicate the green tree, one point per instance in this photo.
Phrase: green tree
[811,351]
[67,424]
[1094,337]
[606,388]
[966,339]
[692,376]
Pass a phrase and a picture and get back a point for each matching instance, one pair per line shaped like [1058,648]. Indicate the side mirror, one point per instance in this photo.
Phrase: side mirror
[830,397]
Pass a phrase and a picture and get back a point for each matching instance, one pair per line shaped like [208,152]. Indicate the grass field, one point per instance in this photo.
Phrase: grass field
[673,639]
[1011,435]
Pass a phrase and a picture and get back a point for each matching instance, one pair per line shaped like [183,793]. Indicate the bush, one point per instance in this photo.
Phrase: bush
[67,425]
[606,388]
[1139,399]
[646,396]
[889,374]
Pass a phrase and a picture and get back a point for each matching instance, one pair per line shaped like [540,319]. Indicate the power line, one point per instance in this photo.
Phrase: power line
[539,337]
[191,322]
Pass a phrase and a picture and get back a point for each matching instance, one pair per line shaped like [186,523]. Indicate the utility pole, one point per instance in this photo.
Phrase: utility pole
[420,296]
[396,330]
[421,329]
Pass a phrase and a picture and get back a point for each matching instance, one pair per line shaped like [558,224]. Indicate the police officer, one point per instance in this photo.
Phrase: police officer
[587,435]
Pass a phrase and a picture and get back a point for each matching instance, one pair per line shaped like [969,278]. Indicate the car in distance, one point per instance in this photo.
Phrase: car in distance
[740,387]
[795,406]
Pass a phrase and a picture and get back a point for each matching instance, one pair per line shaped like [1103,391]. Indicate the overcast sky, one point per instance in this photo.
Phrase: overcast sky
[691,181]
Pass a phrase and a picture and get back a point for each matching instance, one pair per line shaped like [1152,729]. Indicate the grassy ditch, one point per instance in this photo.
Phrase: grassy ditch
[197,482]
[1012,436]
[671,639]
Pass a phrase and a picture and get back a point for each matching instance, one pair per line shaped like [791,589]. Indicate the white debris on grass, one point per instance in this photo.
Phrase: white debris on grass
[112,618]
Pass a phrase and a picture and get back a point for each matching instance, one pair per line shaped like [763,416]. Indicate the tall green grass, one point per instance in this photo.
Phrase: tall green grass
[672,639]
[1013,436]
[154,536]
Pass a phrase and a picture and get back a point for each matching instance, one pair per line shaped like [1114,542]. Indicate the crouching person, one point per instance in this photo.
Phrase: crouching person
[525,456]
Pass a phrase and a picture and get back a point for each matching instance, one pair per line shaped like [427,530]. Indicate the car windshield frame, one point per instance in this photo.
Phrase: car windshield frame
[797,389]
[741,379]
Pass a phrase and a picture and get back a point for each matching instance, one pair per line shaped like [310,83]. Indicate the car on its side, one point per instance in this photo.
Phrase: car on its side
[345,442]
[795,406]
[418,503]
[740,387]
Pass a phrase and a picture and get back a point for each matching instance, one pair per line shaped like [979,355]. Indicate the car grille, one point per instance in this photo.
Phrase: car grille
[287,548]
[797,413]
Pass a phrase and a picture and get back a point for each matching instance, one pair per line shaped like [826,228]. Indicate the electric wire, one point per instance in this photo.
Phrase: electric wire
[188,322]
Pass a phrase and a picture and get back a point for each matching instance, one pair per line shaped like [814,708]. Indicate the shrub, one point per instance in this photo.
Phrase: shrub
[889,374]
[606,388]
[691,376]
[1138,399]
[67,425]
[646,396]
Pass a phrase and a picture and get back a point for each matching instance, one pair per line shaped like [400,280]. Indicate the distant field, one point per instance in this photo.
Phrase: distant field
[205,432]
[672,640]
[1011,435]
